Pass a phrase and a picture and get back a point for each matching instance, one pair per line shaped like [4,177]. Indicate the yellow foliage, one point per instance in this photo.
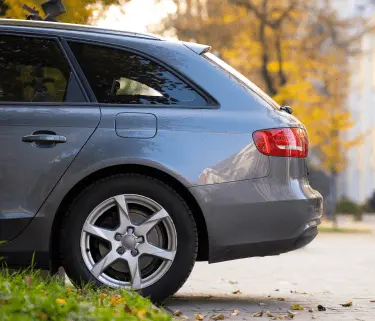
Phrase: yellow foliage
[77,11]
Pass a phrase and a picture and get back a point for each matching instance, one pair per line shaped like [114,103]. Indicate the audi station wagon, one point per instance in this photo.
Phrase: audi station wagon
[125,158]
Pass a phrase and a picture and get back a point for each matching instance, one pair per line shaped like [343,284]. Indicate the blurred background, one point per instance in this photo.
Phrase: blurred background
[317,56]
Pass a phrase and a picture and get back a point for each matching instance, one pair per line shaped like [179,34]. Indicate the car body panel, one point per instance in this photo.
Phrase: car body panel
[29,172]
[245,213]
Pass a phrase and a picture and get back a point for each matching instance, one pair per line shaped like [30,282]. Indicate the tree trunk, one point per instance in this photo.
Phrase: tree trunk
[333,198]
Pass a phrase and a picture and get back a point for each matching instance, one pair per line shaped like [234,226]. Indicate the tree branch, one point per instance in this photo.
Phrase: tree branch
[248,4]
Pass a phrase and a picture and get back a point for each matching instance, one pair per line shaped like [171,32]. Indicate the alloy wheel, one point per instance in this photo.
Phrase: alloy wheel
[128,240]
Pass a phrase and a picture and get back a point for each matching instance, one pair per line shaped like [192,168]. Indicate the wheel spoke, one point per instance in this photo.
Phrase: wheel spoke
[123,212]
[135,271]
[100,232]
[106,261]
[146,226]
[147,248]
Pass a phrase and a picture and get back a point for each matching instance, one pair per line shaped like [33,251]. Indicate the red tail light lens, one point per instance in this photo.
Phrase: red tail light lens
[282,142]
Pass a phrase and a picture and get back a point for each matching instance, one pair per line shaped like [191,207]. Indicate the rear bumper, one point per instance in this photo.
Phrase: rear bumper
[258,218]
[268,248]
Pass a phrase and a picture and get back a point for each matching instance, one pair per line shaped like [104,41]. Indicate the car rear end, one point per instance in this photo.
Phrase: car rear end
[266,214]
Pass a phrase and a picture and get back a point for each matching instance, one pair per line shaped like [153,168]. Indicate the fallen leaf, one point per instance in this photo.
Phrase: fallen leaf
[257,314]
[220,316]
[280,299]
[282,317]
[177,313]
[269,314]
[262,304]
[297,307]
[141,313]
[276,290]
[61,301]
[311,310]
[348,304]
[321,308]
[302,292]
[29,280]
[373,301]
[235,312]
[199,316]
[127,309]
[291,314]
[237,292]
[233,282]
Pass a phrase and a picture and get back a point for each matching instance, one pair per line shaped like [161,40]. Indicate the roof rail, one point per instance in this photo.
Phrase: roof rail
[74,27]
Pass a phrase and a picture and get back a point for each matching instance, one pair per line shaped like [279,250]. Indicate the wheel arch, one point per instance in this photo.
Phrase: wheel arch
[203,240]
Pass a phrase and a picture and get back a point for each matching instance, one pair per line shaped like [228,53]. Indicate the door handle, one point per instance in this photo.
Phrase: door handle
[47,138]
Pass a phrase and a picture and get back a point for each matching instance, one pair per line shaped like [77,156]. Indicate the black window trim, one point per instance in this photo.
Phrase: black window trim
[211,102]
[71,66]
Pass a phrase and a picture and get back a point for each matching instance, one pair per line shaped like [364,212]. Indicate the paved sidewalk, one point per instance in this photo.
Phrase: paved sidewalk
[333,270]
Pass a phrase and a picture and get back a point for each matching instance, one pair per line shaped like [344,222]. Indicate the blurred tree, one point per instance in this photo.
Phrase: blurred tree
[78,11]
[296,50]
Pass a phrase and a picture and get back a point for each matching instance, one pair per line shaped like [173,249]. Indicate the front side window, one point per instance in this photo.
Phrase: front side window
[32,70]
[120,77]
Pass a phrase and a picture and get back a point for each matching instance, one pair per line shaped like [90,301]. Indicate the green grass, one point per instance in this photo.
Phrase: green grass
[25,296]
[325,229]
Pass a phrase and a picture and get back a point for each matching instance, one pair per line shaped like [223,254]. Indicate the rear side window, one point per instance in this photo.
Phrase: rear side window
[120,77]
[32,70]
[241,79]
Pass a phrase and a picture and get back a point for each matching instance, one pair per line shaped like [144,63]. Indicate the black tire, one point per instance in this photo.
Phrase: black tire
[187,235]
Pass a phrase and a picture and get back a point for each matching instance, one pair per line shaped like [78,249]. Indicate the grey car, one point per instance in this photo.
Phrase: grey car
[125,158]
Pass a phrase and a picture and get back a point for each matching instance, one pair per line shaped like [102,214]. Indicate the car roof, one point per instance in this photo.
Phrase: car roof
[74,27]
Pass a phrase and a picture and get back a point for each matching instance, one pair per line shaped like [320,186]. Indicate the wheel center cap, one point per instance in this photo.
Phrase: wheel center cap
[129,241]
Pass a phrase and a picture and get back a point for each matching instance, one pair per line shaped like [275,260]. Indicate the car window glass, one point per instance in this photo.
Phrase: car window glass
[32,70]
[241,79]
[121,77]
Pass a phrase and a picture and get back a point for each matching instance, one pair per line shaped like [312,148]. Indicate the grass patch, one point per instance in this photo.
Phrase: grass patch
[26,296]
[326,229]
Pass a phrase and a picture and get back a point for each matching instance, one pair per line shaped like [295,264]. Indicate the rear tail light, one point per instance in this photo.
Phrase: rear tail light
[283,142]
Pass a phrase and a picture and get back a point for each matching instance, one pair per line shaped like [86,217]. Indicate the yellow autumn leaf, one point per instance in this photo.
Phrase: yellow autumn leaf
[199,316]
[297,307]
[61,301]
[177,313]
[269,314]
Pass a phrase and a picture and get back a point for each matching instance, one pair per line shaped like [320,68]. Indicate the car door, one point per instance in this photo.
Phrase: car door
[45,120]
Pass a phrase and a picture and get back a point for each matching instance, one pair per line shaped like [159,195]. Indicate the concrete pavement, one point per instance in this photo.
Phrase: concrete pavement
[333,270]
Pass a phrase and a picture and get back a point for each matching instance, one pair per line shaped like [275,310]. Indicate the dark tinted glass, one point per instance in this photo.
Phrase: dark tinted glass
[32,70]
[121,77]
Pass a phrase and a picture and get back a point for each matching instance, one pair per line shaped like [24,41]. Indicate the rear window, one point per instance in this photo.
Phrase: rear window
[241,79]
